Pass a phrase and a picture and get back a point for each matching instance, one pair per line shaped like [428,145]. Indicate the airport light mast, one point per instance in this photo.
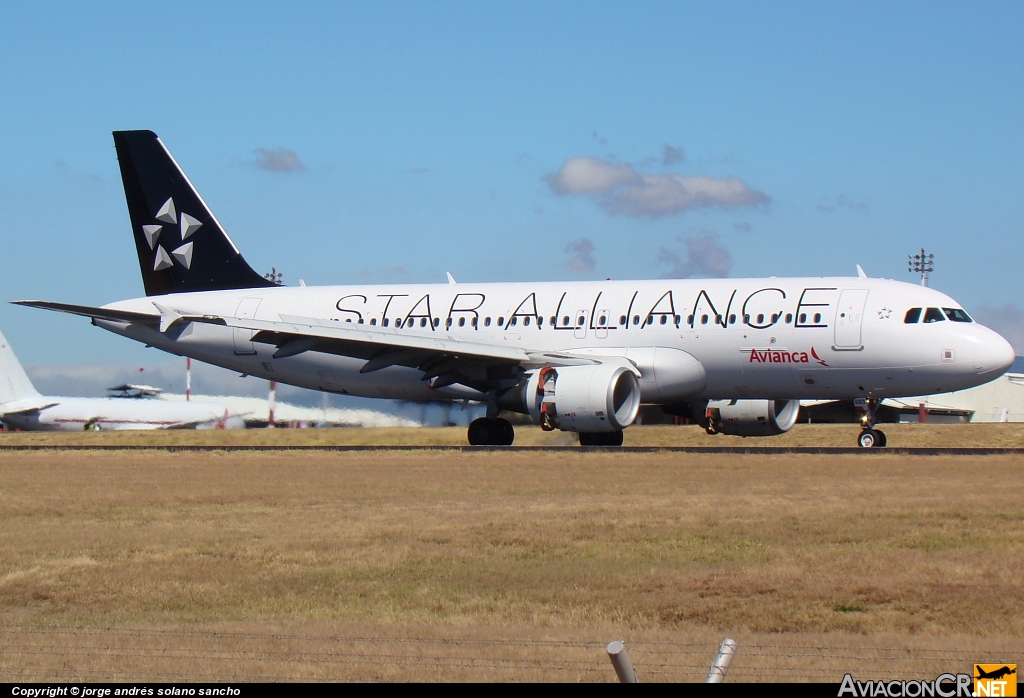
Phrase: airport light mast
[922,264]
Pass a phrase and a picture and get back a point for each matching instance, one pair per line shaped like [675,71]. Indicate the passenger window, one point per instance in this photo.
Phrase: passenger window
[933,315]
[602,320]
[437,321]
[650,319]
[746,318]
[540,321]
[703,319]
[817,318]
[718,319]
[385,323]
[622,319]
[373,321]
[487,321]
[760,318]
[732,319]
[689,319]
[526,322]
[360,321]
[565,320]
[348,320]
[676,320]
[957,315]
[423,322]
[803,318]
[448,323]
[912,316]
[636,319]
[515,321]
[664,319]
[789,318]
[462,322]
[552,320]
[579,321]
[501,321]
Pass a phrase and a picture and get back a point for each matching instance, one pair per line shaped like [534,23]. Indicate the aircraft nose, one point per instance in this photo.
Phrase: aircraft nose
[993,356]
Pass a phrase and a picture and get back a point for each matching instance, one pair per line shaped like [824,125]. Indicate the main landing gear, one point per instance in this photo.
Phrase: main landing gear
[604,438]
[491,432]
[869,436]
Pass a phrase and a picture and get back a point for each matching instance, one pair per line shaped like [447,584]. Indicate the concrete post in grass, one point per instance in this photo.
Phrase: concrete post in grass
[620,660]
[722,662]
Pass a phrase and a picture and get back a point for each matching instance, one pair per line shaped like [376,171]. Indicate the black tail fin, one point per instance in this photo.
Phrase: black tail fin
[181,245]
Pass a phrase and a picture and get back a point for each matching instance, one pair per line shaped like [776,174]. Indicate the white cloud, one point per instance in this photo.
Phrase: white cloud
[582,259]
[1007,321]
[621,189]
[704,258]
[278,160]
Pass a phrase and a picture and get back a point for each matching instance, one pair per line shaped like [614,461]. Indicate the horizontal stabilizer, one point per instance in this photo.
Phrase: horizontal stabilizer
[98,313]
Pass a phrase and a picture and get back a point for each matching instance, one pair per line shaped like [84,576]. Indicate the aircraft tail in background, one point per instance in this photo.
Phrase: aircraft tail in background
[14,383]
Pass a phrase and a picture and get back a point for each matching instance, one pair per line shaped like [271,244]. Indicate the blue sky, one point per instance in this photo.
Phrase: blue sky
[433,137]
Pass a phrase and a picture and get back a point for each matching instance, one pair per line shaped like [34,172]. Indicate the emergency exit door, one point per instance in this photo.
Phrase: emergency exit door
[849,318]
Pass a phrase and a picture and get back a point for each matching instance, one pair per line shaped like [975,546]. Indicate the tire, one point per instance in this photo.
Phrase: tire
[507,432]
[491,432]
[480,432]
[882,440]
[605,438]
[869,438]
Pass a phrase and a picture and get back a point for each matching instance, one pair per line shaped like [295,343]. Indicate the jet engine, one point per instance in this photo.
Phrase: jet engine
[599,398]
[751,417]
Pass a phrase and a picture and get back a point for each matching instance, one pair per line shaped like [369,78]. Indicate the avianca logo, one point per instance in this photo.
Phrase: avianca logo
[775,356]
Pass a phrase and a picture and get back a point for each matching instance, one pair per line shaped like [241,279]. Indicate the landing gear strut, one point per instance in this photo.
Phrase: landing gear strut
[491,432]
[869,436]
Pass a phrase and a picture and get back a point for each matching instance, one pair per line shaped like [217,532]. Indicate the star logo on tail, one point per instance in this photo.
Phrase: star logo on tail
[182,254]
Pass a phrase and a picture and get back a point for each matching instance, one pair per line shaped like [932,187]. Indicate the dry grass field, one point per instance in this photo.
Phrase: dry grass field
[516,566]
[842,435]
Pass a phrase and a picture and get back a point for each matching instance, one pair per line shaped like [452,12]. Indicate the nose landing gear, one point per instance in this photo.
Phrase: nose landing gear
[869,436]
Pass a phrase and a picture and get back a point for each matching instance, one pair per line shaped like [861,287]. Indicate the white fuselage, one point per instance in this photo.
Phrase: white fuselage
[802,338]
[78,413]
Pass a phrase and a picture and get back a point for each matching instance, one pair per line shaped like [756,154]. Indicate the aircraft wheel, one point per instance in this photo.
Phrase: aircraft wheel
[481,432]
[604,438]
[882,441]
[869,438]
[491,432]
[507,432]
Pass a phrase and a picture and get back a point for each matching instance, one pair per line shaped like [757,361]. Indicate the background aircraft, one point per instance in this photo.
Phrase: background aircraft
[22,407]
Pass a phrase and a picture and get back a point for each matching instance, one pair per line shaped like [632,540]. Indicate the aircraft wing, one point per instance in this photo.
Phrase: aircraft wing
[442,359]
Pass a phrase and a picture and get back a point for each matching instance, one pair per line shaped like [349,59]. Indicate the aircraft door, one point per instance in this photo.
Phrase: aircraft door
[580,331]
[243,337]
[849,316]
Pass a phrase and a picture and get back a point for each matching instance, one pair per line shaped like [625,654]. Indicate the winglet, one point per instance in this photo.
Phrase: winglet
[451,279]
[860,272]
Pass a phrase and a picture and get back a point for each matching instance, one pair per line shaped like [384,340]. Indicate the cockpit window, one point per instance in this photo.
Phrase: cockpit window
[957,315]
[933,315]
[913,315]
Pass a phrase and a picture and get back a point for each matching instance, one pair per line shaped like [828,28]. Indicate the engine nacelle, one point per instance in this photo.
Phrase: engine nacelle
[751,417]
[600,398]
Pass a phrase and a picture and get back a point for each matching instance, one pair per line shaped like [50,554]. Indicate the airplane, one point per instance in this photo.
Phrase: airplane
[736,355]
[994,674]
[22,407]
